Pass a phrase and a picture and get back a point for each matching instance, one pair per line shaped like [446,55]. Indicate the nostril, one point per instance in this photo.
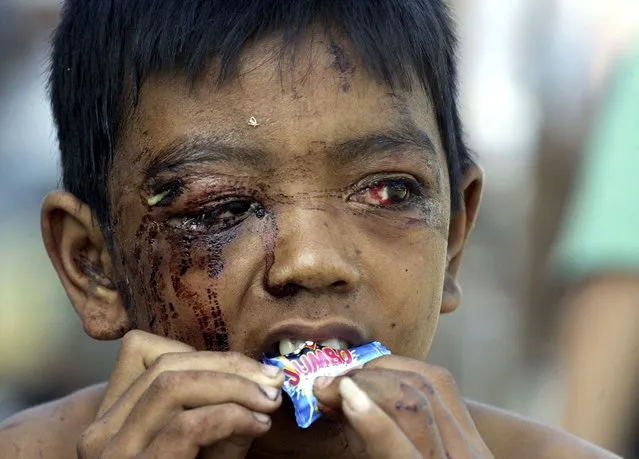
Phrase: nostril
[282,291]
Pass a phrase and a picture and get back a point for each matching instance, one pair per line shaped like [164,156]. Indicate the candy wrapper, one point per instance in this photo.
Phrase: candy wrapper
[314,360]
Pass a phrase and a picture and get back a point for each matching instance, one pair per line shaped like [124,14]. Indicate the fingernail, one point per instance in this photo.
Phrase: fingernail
[261,417]
[271,392]
[355,397]
[271,371]
[323,381]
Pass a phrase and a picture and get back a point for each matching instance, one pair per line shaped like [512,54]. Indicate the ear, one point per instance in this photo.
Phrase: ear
[461,224]
[74,242]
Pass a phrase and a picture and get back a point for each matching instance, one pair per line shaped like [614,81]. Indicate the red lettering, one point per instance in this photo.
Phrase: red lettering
[293,376]
[323,360]
[335,359]
[314,360]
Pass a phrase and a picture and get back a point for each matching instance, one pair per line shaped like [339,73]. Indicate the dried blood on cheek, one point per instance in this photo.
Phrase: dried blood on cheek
[146,266]
[201,251]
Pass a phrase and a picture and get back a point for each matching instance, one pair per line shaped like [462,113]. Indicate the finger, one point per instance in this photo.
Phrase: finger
[326,389]
[219,425]
[173,392]
[438,380]
[409,408]
[399,395]
[194,429]
[448,426]
[223,362]
[382,437]
[459,439]
[138,351]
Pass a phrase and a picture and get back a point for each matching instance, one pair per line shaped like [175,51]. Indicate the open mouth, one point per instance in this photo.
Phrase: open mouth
[291,339]
[288,346]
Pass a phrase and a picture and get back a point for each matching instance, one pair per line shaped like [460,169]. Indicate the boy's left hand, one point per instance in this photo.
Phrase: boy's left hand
[399,407]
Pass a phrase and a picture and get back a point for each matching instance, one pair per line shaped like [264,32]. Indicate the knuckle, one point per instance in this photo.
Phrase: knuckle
[83,448]
[163,363]
[87,441]
[418,379]
[236,415]
[442,377]
[234,412]
[414,385]
[132,339]
[187,424]
[423,383]
[166,381]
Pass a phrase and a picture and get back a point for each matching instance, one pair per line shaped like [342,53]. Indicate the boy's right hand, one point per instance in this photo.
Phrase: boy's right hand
[165,400]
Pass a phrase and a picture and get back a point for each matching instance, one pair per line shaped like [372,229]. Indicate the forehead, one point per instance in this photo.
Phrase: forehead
[281,101]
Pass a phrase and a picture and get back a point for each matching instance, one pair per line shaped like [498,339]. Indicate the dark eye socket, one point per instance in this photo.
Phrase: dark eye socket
[224,215]
[232,209]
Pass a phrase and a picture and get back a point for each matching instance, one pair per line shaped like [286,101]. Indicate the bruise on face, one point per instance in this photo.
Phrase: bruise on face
[344,67]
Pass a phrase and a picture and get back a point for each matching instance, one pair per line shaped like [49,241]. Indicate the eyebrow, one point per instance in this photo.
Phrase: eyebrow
[406,136]
[204,149]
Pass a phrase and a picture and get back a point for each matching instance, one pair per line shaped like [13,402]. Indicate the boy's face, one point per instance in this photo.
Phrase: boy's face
[301,201]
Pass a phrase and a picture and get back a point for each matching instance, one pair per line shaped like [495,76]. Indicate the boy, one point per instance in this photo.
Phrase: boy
[243,174]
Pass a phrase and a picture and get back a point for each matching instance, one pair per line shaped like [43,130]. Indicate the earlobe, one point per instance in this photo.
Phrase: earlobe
[461,225]
[79,255]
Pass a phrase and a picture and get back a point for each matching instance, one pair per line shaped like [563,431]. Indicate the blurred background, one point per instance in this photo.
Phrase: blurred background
[536,78]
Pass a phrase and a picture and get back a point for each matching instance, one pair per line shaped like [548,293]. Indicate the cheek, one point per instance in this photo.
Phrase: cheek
[187,284]
[411,278]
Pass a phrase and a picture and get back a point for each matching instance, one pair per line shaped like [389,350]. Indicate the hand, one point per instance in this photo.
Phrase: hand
[398,407]
[164,400]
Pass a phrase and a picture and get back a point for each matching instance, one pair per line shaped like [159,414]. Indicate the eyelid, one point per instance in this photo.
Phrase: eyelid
[222,223]
[166,194]
[210,204]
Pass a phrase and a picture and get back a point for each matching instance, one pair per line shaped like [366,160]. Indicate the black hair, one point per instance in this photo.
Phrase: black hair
[103,50]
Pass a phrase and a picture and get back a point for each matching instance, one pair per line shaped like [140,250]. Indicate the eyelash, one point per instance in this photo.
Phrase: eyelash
[214,219]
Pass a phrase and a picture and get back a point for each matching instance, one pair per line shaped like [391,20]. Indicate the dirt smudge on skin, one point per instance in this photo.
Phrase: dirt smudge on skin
[342,65]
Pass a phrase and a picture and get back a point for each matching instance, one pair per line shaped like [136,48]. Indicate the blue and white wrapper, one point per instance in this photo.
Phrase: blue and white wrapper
[314,360]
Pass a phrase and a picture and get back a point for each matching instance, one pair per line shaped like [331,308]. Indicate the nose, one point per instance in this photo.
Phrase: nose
[311,253]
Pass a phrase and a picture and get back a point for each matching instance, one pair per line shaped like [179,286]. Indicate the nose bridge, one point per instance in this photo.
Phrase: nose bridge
[312,250]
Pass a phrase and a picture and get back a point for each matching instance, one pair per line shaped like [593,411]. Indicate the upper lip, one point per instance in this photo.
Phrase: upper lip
[346,331]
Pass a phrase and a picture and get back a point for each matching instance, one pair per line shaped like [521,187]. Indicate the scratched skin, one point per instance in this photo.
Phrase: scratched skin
[311,238]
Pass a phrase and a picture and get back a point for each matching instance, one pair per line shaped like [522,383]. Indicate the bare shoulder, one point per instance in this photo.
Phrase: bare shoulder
[50,431]
[508,435]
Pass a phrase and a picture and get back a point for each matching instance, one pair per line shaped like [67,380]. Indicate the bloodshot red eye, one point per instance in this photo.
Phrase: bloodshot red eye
[387,194]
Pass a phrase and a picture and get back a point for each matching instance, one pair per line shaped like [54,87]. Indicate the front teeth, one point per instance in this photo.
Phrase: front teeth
[335,343]
[293,346]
